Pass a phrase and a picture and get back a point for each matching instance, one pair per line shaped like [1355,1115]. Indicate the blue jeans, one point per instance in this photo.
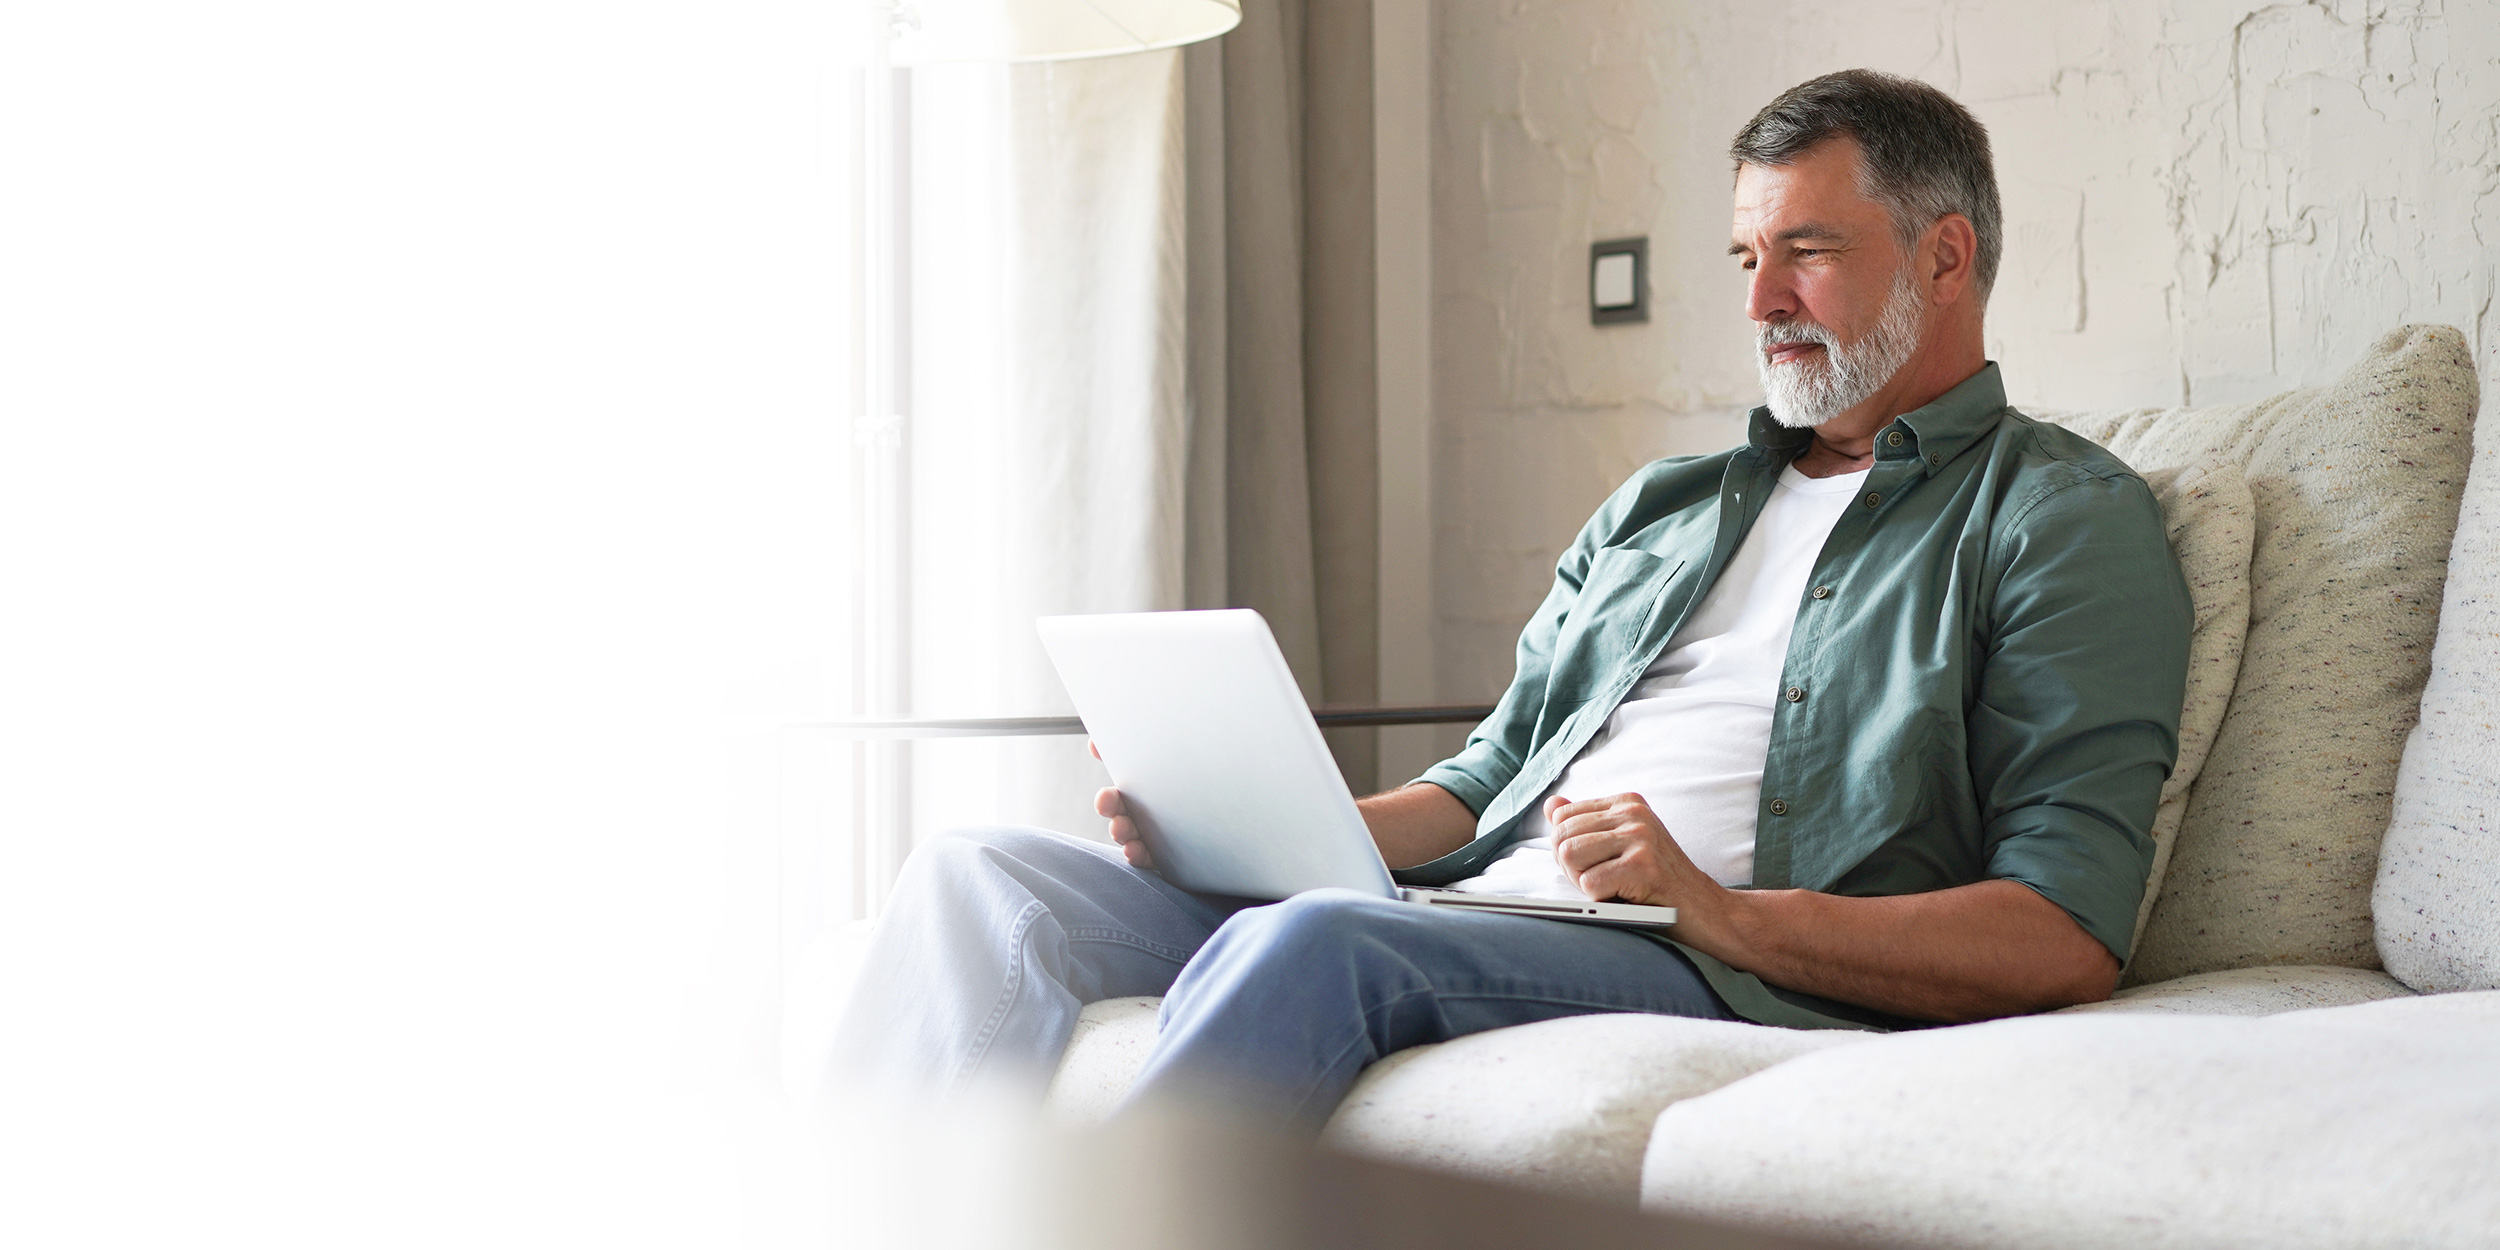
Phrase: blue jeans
[994,939]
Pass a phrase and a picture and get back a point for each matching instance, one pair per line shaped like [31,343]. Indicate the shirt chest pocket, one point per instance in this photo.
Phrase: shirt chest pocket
[1617,600]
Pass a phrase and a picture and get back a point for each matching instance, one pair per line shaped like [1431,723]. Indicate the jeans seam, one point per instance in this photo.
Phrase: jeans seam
[1121,937]
[1567,1002]
[988,1032]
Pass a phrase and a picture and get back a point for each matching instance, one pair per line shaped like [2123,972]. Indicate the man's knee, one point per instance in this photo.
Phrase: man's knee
[1300,948]
[1315,923]
[973,840]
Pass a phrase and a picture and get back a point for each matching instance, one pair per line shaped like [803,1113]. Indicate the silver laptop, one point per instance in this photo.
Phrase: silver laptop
[1206,735]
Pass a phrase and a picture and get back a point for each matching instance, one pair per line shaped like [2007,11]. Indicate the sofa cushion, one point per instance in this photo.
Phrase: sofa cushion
[2252,992]
[2212,520]
[2356,485]
[2369,1125]
[2438,898]
[1564,1105]
[1103,1058]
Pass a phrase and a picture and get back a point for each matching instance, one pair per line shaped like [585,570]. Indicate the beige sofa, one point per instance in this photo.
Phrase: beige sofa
[2307,1048]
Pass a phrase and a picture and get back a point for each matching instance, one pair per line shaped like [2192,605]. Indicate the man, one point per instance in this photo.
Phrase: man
[1881,702]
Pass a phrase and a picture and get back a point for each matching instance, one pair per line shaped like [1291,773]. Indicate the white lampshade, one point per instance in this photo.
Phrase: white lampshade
[1050,30]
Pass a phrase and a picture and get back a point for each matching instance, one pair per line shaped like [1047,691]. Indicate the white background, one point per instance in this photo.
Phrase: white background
[415,432]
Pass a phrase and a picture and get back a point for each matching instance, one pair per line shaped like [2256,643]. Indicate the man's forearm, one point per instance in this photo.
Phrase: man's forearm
[1417,824]
[1974,952]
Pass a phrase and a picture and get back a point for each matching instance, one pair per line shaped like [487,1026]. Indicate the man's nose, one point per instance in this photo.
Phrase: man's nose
[1769,295]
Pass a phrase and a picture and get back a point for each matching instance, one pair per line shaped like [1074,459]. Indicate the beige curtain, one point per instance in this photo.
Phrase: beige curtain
[1143,379]
[1287,167]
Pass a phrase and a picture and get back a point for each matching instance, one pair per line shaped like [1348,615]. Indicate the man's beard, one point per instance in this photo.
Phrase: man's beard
[1817,387]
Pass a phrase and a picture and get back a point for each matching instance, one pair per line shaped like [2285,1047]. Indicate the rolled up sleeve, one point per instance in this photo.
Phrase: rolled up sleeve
[2076,723]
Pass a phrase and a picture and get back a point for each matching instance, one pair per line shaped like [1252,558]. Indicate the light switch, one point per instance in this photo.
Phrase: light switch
[1614,280]
[1618,287]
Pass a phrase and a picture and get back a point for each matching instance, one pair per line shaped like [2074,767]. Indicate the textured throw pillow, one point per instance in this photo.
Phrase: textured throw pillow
[2213,527]
[2438,896]
[2356,484]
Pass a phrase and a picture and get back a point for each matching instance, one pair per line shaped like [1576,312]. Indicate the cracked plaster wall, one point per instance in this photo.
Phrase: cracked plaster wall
[2206,202]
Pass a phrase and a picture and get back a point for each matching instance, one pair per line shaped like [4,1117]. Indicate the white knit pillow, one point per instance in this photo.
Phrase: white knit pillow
[2438,899]
[2213,527]
[2356,485]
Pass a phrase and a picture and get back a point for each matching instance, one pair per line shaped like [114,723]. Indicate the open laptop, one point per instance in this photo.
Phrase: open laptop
[1206,735]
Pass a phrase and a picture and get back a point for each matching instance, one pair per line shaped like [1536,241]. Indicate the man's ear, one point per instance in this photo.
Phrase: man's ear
[1952,251]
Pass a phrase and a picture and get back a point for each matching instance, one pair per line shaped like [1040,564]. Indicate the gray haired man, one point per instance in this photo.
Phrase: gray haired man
[1881,702]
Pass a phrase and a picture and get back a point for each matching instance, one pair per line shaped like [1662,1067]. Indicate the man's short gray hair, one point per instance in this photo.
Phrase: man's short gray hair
[1923,155]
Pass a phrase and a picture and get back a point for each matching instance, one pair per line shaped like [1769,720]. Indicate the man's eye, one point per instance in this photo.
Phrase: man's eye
[1810,251]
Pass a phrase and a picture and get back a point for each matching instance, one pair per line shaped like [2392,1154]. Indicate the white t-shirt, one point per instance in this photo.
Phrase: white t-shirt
[1691,735]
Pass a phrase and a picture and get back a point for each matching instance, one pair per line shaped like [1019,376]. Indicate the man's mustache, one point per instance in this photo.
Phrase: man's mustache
[1780,334]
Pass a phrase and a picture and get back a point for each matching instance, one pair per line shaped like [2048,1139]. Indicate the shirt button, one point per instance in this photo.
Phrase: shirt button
[1779,807]
[1822,592]
[1873,499]
[1796,694]
[1893,438]
[1935,458]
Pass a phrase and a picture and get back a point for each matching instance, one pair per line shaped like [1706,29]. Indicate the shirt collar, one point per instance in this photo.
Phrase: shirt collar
[1934,434]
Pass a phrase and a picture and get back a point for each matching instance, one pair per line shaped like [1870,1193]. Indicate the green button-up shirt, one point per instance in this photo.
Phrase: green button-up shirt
[1984,680]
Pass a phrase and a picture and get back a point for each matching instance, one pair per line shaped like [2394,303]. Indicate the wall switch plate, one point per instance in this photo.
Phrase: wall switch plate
[1619,281]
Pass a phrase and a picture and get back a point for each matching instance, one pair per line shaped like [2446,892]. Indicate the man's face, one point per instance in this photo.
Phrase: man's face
[1833,297]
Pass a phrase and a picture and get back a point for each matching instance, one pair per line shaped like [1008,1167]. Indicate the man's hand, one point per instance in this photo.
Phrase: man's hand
[1107,803]
[1616,849]
[1110,806]
[1972,952]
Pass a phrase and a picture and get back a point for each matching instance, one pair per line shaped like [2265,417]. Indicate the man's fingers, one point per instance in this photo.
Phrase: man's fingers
[1583,851]
[1605,871]
[1614,847]
[1109,804]
[1591,865]
[1092,750]
[1603,882]
[1615,811]
[1598,820]
[1578,851]
[1558,811]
